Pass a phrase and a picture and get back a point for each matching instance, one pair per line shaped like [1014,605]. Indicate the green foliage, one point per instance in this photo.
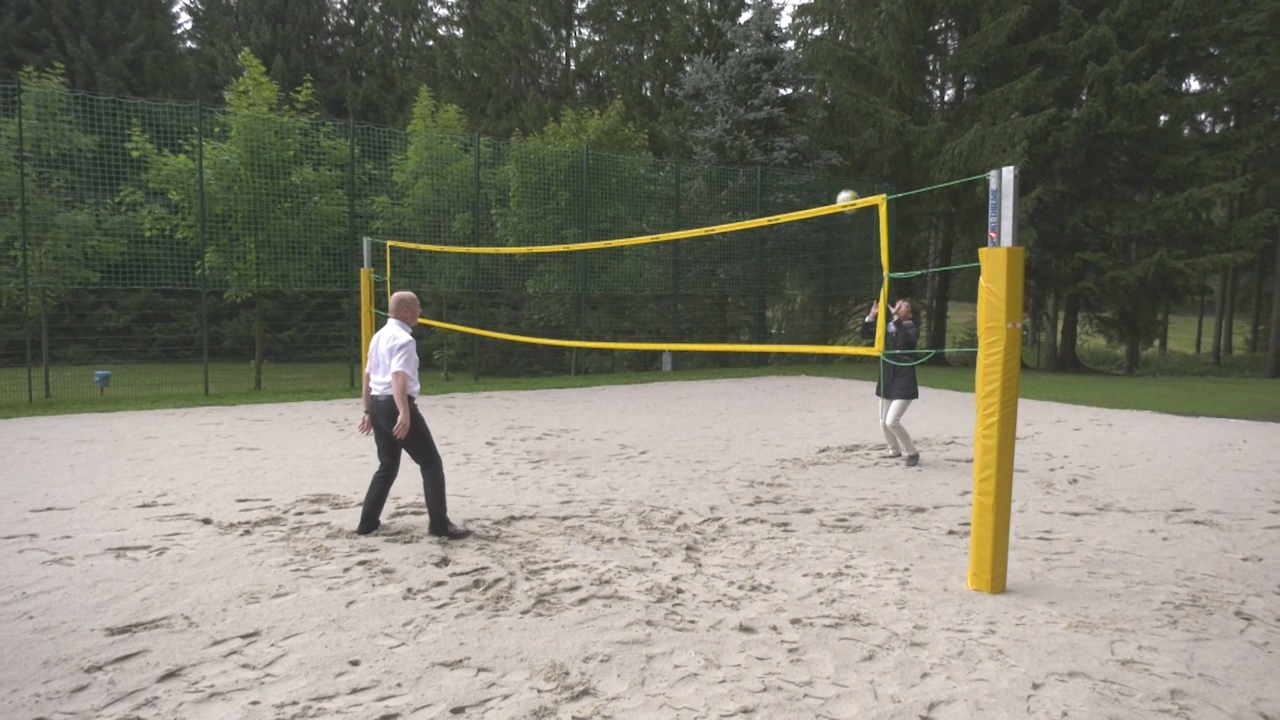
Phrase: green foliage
[633,53]
[432,178]
[608,131]
[68,227]
[264,149]
[1144,132]
[273,212]
[56,231]
[510,66]
[385,48]
[561,186]
[293,39]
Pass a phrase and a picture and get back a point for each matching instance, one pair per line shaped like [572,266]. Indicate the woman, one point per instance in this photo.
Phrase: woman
[897,386]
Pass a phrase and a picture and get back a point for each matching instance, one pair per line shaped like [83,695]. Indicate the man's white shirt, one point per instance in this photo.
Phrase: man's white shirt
[393,349]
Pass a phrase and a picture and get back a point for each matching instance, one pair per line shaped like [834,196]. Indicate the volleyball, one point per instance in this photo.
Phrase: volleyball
[846,195]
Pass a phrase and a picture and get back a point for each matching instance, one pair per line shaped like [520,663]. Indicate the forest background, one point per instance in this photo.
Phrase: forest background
[1144,131]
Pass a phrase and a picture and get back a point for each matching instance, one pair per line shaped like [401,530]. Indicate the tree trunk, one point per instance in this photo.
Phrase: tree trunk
[1273,340]
[1164,329]
[930,289]
[1229,321]
[44,347]
[1132,354]
[1256,322]
[940,290]
[1219,305]
[1051,334]
[1200,316]
[1068,360]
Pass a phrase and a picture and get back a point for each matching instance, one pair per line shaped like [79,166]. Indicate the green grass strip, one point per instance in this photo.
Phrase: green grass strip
[1228,397]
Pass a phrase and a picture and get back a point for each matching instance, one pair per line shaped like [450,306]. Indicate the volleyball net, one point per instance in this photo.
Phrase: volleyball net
[793,282]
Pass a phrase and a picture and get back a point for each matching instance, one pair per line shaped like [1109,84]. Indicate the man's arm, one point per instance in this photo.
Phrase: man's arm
[400,390]
[366,401]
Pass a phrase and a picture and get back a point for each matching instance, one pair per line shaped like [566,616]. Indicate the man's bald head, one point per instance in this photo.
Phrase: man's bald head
[404,306]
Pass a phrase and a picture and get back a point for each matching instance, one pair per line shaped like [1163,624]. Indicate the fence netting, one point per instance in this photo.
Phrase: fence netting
[188,249]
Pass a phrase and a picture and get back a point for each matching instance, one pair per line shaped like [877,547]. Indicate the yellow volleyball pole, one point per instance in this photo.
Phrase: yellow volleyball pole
[1000,299]
[366,305]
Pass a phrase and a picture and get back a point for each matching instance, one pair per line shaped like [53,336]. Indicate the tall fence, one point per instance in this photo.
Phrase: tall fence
[185,249]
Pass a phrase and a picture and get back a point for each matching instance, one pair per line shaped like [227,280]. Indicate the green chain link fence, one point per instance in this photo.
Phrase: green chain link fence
[197,250]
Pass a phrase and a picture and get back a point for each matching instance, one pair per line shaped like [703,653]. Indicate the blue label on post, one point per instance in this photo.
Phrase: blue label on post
[993,218]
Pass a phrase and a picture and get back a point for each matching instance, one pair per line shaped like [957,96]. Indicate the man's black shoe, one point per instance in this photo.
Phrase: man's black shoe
[365,531]
[452,532]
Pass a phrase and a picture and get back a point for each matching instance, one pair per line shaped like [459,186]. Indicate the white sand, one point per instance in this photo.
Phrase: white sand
[681,550]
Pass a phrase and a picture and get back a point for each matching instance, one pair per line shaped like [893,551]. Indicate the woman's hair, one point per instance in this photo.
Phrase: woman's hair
[915,308]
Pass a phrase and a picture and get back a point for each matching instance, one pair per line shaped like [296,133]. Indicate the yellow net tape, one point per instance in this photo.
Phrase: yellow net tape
[674,347]
[874,200]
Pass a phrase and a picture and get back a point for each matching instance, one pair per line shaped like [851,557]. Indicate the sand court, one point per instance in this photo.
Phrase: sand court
[731,548]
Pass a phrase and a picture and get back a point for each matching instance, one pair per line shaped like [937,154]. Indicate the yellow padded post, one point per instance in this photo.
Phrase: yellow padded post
[1000,298]
[366,315]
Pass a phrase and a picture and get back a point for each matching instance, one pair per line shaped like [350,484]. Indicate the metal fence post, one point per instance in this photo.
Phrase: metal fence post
[353,271]
[757,303]
[675,262]
[583,236]
[828,259]
[475,259]
[204,246]
[22,223]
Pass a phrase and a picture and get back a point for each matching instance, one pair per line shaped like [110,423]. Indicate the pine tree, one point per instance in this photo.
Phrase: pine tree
[386,50]
[293,38]
[511,67]
[634,51]
[753,106]
[920,93]
[1235,67]
[120,47]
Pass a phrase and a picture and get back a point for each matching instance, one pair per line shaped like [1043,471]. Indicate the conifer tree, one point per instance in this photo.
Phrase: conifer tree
[511,67]
[293,38]
[119,47]
[753,106]
[385,51]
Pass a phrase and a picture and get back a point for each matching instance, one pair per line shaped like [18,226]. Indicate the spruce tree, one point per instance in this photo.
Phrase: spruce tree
[753,106]
[386,50]
[119,47]
[293,38]
[511,67]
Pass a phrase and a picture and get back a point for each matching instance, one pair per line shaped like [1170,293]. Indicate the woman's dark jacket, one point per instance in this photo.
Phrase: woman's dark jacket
[899,380]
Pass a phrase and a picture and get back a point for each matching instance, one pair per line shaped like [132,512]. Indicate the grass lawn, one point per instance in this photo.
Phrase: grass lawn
[141,385]
[1182,331]
[135,387]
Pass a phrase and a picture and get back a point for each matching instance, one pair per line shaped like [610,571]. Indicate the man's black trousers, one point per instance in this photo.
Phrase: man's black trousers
[421,447]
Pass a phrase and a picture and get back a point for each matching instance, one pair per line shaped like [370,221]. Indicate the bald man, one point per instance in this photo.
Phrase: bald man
[391,390]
